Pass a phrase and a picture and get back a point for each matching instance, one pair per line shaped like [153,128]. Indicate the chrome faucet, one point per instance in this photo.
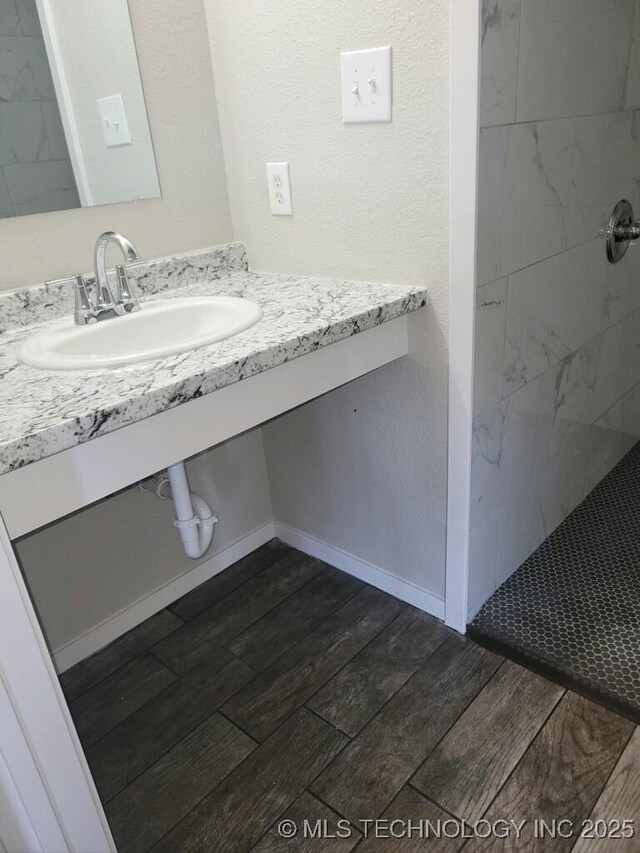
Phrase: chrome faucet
[102,304]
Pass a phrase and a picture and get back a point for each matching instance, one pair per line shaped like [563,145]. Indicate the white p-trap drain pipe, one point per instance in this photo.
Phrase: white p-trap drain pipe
[194,519]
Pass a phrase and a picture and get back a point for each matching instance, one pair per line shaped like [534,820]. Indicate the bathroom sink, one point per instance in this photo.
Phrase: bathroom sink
[159,328]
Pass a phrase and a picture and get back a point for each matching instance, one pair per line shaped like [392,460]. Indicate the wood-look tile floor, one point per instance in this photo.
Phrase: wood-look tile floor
[284,689]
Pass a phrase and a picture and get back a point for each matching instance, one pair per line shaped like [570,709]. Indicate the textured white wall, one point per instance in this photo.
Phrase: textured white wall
[177,79]
[98,55]
[364,468]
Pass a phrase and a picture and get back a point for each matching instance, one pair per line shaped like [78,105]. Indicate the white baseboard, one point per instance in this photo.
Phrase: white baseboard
[113,627]
[352,565]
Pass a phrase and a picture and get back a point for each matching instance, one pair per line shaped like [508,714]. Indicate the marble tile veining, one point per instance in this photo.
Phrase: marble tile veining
[491,309]
[41,187]
[558,42]
[632,94]
[24,70]
[554,308]
[544,187]
[516,438]
[23,137]
[44,412]
[500,34]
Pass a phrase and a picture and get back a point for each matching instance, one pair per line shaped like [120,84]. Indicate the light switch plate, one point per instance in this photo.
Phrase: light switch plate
[366,85]
[113,119]
[279,189]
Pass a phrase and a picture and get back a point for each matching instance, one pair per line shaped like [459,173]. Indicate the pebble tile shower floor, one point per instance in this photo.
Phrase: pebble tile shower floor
[573,608]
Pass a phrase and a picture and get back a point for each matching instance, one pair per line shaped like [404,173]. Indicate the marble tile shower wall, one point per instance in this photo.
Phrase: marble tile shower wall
[35,170]
[557,399]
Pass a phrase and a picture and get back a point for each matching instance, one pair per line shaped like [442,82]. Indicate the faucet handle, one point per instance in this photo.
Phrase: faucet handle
[84,312]
[125,295]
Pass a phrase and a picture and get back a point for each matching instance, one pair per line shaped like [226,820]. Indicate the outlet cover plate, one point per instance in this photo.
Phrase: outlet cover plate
[279,189]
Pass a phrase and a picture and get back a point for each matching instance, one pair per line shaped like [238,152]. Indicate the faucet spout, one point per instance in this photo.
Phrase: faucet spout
[124,301]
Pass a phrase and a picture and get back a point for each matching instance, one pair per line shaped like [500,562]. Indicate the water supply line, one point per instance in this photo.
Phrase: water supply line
[194,519]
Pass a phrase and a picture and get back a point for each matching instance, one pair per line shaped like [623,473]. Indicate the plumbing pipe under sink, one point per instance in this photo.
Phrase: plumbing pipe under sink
[194,519]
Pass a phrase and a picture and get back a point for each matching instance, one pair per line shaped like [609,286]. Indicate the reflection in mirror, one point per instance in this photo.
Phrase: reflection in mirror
[73,122]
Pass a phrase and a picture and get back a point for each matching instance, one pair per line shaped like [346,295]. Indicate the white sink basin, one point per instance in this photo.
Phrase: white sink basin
[160,328]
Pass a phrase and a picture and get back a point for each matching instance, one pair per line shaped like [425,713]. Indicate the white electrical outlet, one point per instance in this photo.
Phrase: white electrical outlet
[366,85]
[279,189]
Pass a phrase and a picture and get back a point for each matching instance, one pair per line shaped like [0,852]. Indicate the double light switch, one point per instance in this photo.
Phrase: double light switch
[366,85]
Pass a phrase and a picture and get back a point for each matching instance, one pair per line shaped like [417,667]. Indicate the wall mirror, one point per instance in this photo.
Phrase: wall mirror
[73,122]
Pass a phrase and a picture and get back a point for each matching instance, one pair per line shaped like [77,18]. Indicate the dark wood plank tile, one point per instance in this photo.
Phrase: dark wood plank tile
[235,815]
[560,776]
[269,637]
[468,768]
[113,699]
[369,773]
[275,693]
[359,690]
[133,746]
[620,800]
[153,804]
[323,832]
[410,808]
[134,643]
[192,643]
[227,581]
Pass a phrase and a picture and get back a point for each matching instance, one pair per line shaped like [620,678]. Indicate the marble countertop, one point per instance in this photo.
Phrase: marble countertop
[45,412]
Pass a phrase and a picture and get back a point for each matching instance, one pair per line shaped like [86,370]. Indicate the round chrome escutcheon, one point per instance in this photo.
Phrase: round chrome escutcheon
[618,231]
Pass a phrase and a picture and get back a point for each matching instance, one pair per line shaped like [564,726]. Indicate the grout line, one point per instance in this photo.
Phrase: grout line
[275,560]
[608,779]
[629,56]
[454,723]
[216,642]
[574,117]
[230,719]
[291,593]
[153,654]
[138,656]
[580,245]
[355,655]
[183,621]
[329,723]
[389,698]
[432,800]
[381,709]
[572,355]
[518,48]
[140,653]
[87,744]
[276,821]
[179,741]
[533,740]
[323,801]
[201,800]
[310,634]
[315,625]
[551,671]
